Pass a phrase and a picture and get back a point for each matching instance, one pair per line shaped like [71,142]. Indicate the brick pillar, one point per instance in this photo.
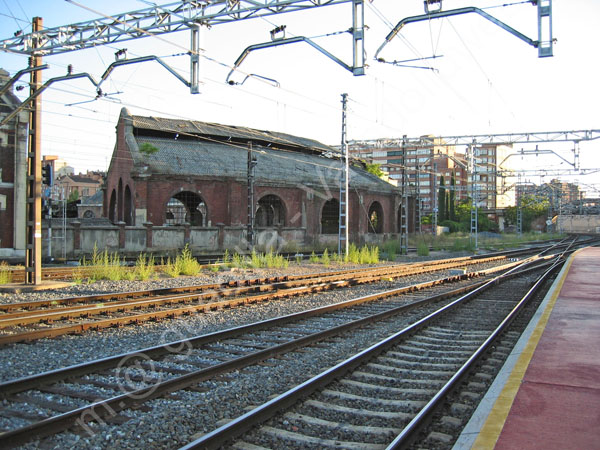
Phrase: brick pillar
[76,235]
[221,237]
[148,226]
[121,226]
[186,233]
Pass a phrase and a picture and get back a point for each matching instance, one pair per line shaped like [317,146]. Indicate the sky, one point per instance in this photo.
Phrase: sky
[482,79]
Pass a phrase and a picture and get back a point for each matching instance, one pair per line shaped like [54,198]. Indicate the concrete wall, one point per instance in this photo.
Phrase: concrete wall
[131,240]
[578,224]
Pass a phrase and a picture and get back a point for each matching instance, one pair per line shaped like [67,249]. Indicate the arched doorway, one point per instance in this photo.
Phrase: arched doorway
[270,212]
[330,217]
[375,218]
[186,207]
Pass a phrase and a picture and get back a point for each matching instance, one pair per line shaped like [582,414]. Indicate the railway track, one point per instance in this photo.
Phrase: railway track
[28,321]
[103,390]
[68,273]
[383,396]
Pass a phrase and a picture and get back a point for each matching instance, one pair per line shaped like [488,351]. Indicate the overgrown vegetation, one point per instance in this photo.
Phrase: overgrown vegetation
[422,248]
[183,264]
[375,169]
[148,149]
[5,273]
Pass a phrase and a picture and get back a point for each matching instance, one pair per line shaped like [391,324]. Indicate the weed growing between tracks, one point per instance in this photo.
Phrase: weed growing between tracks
[5,273]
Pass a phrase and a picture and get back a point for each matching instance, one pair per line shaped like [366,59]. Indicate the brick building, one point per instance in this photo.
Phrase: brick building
[86,185]
[173,172]
[13,172]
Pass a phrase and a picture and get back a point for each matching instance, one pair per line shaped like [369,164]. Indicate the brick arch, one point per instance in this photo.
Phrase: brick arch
[271,211]
[330,216]
[375,218]
[185,207]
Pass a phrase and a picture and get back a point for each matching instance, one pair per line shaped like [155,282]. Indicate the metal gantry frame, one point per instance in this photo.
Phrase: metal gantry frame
[404,207]
[343,222]
[153,21]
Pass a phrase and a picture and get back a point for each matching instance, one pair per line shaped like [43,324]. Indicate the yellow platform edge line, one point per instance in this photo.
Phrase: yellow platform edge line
[490,432]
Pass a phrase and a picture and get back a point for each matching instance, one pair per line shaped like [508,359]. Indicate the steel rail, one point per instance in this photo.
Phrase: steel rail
[236,427]
[187,310]
[318,284]
[64,313]
[237,283]
[409,432]
[65,273]
[112,406]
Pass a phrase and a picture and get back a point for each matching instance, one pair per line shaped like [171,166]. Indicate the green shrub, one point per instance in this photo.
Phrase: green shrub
[353,255]
[391,249]
[313,258]
[171,267]
[226,258]
[422,249]
[188,264]
[463,244]
[325,260]
[144,267]
[5,273]
[238,261]
[255,260]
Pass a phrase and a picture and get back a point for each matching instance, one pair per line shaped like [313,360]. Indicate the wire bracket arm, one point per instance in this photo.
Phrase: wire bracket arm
[542,51]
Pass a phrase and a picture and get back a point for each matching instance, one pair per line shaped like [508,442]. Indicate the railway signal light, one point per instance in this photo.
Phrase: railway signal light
[47,177]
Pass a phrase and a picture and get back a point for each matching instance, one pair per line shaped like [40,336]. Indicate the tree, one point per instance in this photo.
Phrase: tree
[375,169]
[532,207]
[73,196]
[442,201]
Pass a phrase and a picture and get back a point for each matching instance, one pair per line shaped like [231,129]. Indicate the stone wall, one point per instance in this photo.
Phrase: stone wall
[578,224]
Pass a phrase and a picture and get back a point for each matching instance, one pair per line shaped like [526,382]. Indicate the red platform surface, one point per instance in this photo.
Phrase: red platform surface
[558,403]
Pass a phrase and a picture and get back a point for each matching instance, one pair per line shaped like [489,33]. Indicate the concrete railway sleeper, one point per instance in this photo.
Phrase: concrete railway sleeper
[380,397]
[62,397]
[35,320]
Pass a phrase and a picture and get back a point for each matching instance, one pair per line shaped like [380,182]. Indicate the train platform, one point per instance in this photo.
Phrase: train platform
[547,396]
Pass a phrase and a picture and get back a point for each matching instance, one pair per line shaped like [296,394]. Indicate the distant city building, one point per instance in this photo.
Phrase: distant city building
[491,190]
[85,185]
[561,195]
[426,160]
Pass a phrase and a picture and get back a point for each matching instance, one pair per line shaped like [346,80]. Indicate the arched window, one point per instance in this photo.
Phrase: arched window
[120,201]
[375,218]
[186,207]
[128,206]
[112,206]
[330,217]
[270,212]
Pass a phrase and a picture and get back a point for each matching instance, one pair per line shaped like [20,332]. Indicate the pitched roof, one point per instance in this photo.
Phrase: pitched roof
[214,158]
[95,199]
[226,131]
